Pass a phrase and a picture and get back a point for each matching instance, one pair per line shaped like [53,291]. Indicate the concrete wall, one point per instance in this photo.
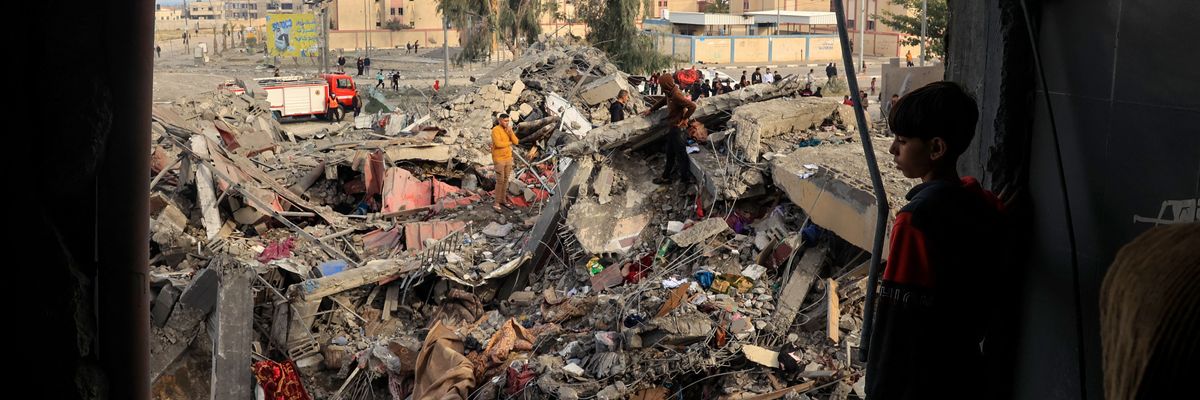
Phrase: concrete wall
[752,50]
[385,39]
[749,49]
[824,48]
[896,75]
[789,48]
[1129,129]
[711,49]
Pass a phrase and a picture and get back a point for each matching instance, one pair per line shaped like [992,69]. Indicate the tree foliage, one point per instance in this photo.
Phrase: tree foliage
[910,24]
[717,7]
[612,28]
[512,23]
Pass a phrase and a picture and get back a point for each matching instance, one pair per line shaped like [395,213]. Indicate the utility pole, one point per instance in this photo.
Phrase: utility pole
[366,29]
[924,17]
[862,34]
[324,36]
[445,50]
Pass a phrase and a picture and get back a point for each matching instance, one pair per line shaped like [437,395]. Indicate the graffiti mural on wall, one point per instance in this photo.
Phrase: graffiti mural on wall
[1174,212]
[295,35]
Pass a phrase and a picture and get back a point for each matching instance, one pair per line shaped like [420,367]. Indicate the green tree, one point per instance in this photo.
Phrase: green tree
[910,24]
[717,7]
[512,23]
[611,28]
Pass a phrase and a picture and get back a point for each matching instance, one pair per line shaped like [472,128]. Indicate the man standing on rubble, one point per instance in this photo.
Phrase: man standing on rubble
[938,294]
[503,139]
[616,111]
[756,77]
[831,72]
[679,109]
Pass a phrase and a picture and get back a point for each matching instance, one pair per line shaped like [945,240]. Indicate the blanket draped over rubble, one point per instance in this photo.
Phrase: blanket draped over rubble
[354,260]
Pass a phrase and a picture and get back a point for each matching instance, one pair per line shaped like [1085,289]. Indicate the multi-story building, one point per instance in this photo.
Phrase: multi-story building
[206,10]
[255,9]
[167,13]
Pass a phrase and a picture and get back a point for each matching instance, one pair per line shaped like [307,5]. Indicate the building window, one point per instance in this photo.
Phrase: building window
[745,4]
[286,6]
[393,11]
[401,10]
[849,24]
[870,25]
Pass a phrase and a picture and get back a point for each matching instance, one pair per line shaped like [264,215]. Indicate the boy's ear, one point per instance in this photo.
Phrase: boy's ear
[937,148]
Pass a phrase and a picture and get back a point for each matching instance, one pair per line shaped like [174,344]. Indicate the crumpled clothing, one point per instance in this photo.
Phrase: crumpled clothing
[277,251]
[279,380]
[442,372]
[518,379]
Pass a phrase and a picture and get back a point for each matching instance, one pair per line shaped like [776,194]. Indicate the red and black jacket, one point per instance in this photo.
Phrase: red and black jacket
[937,293]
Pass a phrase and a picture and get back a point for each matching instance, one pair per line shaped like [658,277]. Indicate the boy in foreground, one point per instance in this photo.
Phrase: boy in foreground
[935,300]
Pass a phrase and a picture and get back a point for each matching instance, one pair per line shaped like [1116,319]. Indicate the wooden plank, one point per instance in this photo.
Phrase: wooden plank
[390,301]
[834,311]
[372,272]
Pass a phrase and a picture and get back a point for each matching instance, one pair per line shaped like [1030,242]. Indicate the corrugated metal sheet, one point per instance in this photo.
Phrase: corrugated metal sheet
[694,18]
[794,17]
[415,233]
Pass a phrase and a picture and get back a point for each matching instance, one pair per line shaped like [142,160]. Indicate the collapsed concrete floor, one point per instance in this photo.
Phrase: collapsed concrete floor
[363,260]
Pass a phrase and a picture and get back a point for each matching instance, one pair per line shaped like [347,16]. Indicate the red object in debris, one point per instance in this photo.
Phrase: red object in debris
[699,206]
[403,191]
[415,233]
[539,195]
[638,269]
[279,380]
[277,251]
[517,379]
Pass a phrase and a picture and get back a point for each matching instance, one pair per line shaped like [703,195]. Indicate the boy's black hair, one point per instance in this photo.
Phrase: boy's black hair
[940,109]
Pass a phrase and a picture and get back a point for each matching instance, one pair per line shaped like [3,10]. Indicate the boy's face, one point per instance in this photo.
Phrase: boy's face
[914,156]
[505,122]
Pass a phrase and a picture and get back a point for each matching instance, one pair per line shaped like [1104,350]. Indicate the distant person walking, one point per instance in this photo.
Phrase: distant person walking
[367,65]
[872,86]
[341,64]
[809,78]
[359,63]
[379,79]
[158,51]
[396,80]
[831,72]
[908,57]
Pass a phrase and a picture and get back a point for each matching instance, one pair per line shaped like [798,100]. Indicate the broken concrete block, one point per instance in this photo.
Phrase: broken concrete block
[497,230]
[513,94]
[762,120]
[524,110]
[201,293]
[573,369]
[700,232]
[674,226]
[515,187]
[604,89]
[163,303]
[838,197]
[248,216]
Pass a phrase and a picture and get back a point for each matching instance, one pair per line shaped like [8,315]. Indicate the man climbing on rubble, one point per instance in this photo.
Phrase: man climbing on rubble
[679,109]
[616,111]
[936,296]
[503,139]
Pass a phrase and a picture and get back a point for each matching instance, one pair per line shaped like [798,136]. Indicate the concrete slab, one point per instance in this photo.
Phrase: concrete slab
[233,334]
[837,194]
[604,89]
[615,226]
[757,121]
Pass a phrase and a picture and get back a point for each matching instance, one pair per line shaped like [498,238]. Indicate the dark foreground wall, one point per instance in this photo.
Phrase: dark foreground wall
[1124,89]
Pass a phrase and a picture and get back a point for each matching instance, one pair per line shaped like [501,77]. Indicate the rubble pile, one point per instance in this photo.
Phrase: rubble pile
[364,261]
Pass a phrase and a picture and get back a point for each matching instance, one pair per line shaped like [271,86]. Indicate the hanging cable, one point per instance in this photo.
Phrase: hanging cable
[1066,200]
